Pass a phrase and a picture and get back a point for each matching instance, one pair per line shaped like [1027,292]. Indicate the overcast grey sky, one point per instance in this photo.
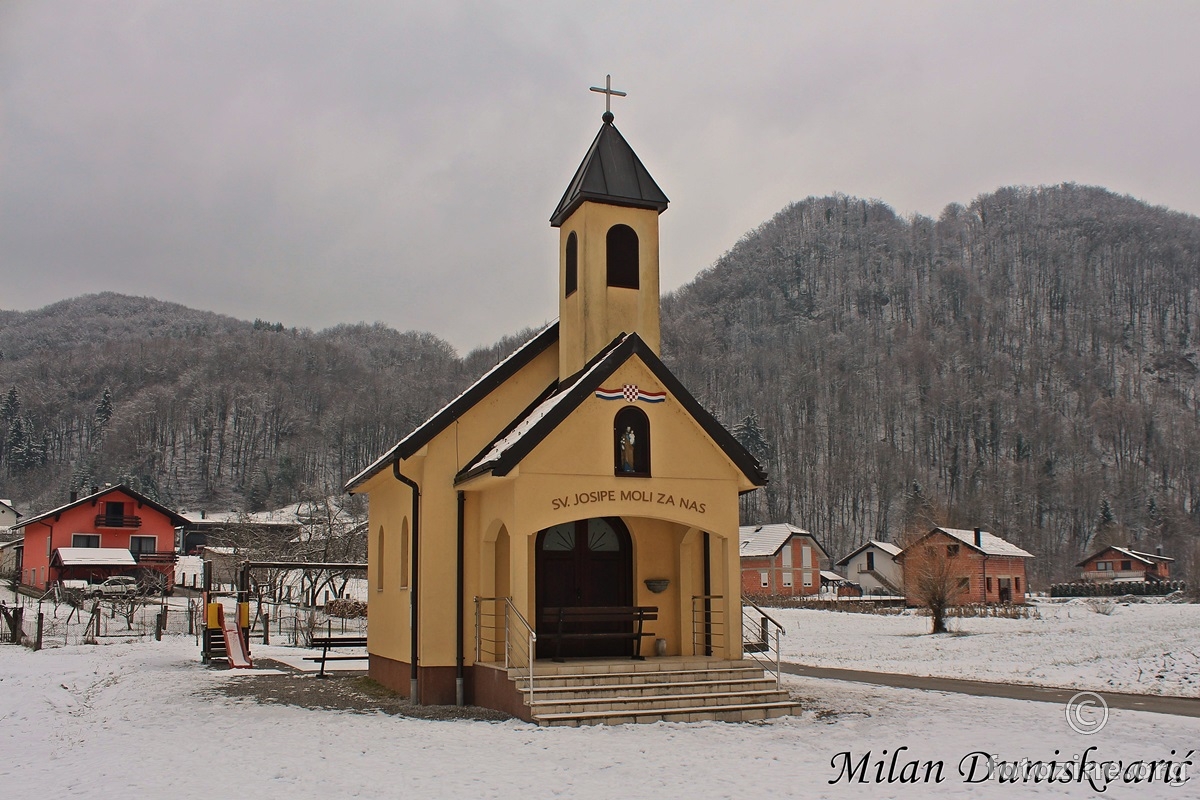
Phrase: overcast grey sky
[324,162]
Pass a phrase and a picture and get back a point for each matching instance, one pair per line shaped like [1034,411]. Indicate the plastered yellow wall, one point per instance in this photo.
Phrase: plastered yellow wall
[595,313]
[569,476]
[433,468]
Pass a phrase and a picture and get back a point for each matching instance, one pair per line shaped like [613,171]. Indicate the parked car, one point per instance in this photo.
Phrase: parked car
[116,586]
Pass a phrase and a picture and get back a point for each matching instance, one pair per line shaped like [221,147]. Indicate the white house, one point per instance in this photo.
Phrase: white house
[873,567]
[8,516]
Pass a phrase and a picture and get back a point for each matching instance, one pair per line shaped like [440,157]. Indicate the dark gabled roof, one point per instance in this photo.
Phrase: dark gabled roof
[610,173]
[1136,555]
[507,451]
[176,518]
[431,427]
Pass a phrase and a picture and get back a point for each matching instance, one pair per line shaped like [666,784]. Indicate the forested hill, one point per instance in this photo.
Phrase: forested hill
[205,411]
[1027,364]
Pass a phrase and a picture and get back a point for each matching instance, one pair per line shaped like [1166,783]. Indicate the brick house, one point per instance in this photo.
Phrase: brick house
[1120,564]
[990,569]
[780,559]
[113,531]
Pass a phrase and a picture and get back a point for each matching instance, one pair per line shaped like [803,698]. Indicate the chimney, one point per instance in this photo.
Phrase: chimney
[202,513]
[74,496]
[1158,550]
[95,489]
[978,537]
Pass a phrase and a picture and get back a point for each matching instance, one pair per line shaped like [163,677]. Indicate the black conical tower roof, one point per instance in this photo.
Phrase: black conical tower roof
[610,173]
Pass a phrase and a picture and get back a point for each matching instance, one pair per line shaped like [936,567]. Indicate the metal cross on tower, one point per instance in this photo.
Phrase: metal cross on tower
[608,93]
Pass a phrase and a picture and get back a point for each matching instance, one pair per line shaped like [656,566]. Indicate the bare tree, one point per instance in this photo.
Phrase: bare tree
[936,576]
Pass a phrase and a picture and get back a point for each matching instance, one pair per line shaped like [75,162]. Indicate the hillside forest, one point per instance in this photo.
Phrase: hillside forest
[1026,364]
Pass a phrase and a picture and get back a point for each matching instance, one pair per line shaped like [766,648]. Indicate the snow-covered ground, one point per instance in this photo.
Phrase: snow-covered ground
[1150,648]
[145,719]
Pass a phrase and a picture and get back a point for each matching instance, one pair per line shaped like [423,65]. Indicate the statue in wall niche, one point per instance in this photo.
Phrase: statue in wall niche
[628,440]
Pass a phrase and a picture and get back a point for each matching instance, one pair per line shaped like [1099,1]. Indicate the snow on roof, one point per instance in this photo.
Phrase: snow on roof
[503,444]
[378,463]
[12,542]
[522,428]
[1147,557]
[990,544]
[765,540]
[833,576]
[1138,555]
[289,515]
[95,557]
[887,547]
[11,507]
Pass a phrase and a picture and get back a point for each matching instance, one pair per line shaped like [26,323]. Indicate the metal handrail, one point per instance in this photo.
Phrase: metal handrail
[510,611]
[753,648]
[708,622]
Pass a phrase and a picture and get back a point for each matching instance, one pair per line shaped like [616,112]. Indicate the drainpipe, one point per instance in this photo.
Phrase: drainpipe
[458,578]
[413,583]
[707,556]
[979,544]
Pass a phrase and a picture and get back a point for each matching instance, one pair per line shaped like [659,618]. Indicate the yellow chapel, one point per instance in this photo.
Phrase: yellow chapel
[575,508]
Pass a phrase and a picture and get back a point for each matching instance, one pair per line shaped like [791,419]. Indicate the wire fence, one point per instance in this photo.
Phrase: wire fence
[60,619]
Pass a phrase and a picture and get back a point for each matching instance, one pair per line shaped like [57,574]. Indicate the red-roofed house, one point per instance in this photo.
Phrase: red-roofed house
[115,531]
[992,569]
[1114,564]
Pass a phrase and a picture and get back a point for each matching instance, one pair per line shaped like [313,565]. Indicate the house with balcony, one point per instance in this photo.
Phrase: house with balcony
[112,531]
[1124,565]
[873,567]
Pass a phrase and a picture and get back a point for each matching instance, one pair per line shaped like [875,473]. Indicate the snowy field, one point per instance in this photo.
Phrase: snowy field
[1146,648]
[144,719]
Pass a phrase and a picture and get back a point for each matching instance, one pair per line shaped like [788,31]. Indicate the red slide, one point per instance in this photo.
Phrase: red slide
[238,658]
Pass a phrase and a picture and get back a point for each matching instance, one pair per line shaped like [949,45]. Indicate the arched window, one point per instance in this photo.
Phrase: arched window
[622,254]
[379,560]
[631,443]
[572,279]
[404,550]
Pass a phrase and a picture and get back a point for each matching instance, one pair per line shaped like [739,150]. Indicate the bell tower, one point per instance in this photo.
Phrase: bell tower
[608,248]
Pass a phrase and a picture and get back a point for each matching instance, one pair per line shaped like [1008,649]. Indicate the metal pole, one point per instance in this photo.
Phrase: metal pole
[777,657]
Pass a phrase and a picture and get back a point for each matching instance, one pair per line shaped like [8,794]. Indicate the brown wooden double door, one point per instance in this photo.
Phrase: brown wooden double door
[588,562]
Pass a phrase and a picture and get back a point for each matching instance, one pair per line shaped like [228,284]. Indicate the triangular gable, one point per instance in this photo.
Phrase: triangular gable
[610,173]
[472,395]
[8,504]
[176,519]
[507,451]
[887,548]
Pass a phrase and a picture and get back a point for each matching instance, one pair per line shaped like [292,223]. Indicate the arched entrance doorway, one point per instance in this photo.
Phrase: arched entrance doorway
[588,562]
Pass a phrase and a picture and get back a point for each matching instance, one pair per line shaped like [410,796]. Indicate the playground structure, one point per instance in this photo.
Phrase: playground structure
[227,636]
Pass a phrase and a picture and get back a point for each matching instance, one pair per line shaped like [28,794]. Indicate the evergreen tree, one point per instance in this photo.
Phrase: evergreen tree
[104,412]
[750,435]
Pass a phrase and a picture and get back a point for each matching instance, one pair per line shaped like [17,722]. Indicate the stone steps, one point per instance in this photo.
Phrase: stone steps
[618,692]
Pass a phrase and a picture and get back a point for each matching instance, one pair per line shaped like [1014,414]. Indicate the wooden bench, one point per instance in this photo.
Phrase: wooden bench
[326,642]
[628,623]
